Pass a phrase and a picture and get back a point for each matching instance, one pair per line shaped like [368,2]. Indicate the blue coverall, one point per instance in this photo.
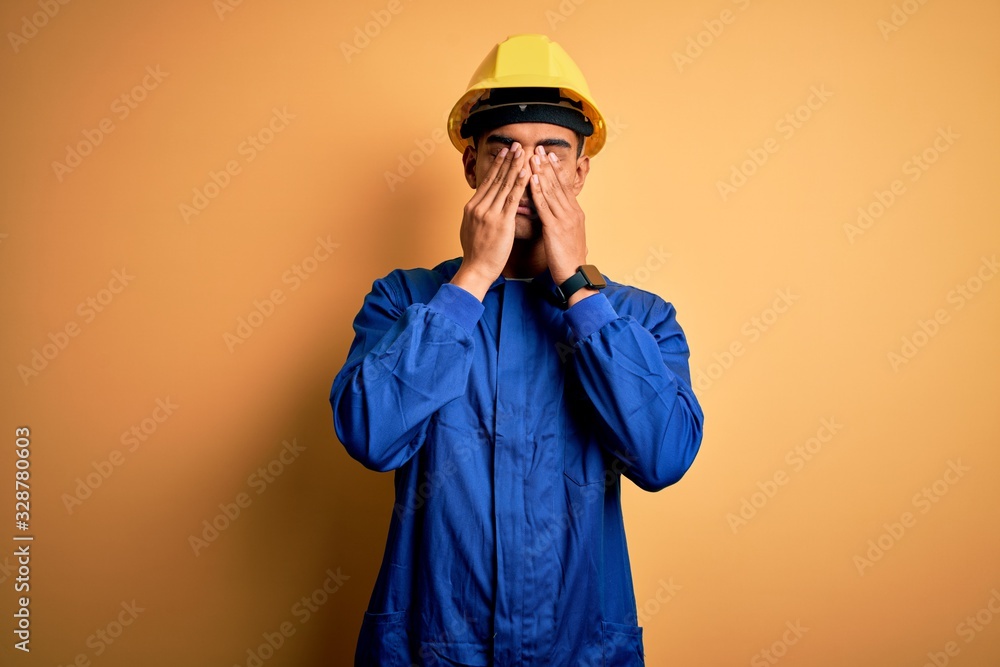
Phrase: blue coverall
[509,423]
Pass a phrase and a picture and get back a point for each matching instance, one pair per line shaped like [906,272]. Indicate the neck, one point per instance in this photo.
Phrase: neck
[527,259]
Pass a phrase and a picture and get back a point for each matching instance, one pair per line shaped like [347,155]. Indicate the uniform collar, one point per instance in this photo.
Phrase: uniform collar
[542,284]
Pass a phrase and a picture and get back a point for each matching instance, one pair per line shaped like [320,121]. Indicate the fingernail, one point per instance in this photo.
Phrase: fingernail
[537,160]
[519,153]
[552,157]
[503,151]
[535,179]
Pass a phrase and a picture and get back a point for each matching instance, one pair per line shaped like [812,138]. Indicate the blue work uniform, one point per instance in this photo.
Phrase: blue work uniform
[509,423]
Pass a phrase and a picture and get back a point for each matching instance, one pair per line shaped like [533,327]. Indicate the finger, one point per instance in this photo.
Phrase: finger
[493,183]
[542,191]
[491,175]
[507,179]
[539,195]
[557,190]
[513,198]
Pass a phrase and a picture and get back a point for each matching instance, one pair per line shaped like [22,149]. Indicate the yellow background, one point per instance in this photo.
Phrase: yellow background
[711,592]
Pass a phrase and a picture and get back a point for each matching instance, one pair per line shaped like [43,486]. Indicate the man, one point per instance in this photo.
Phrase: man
[509,390]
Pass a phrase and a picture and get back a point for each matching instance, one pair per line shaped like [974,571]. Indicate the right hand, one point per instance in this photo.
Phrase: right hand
[487,232]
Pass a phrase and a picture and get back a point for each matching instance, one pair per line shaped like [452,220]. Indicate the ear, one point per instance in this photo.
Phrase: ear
[580,177]
[469,160]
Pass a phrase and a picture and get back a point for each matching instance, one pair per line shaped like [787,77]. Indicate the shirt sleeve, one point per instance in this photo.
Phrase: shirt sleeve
[638,379]
[405,363]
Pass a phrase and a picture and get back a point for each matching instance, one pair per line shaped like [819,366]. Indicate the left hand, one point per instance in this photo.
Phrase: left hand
[563,233]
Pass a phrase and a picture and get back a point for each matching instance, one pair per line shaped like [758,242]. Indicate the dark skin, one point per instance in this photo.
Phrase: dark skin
[536,162]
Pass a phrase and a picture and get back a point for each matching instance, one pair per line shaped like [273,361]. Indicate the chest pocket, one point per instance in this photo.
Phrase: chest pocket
[584,461]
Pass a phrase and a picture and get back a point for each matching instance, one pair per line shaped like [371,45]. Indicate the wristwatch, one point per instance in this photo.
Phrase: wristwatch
[585,276]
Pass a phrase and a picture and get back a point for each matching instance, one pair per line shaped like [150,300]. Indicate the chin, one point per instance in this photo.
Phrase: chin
[526,228]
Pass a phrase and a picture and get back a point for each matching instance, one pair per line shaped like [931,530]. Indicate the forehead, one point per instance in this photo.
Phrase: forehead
[532,134]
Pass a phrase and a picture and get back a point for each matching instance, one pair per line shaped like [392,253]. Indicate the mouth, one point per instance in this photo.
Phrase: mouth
[527,209]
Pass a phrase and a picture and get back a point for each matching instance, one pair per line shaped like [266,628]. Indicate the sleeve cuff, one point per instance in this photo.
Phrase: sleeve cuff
[457,304]
[588,315]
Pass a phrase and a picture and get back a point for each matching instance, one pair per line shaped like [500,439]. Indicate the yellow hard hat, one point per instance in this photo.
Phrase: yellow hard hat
[529,61]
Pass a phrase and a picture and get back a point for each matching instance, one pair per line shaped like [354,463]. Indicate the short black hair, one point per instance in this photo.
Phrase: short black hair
[579,142]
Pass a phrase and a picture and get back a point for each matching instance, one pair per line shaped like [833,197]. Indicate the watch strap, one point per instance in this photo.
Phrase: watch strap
[576,282]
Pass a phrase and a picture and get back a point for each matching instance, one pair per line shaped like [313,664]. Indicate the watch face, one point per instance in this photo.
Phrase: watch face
[593,276]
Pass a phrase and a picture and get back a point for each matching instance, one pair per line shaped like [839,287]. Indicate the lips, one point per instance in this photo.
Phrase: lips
[525,207]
